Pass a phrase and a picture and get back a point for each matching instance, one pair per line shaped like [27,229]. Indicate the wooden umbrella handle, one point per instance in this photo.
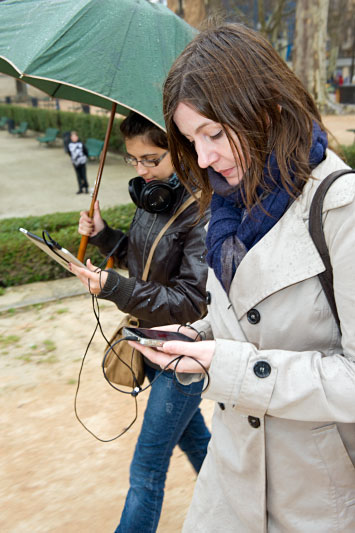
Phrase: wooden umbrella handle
[84,238]
[110,262]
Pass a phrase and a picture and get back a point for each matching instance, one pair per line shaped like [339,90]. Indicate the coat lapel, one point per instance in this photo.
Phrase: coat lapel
[284,256]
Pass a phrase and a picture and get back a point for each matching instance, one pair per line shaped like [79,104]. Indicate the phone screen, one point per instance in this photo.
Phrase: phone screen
[155,337]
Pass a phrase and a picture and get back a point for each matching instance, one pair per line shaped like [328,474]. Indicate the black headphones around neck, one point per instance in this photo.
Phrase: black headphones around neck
[156,196]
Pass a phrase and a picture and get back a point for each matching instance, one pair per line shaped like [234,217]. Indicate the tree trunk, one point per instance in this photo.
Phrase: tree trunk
[338,20]
[309,53]
[21,91]
[193,11]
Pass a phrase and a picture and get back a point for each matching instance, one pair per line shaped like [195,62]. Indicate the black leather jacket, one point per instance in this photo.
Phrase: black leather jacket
[175,289]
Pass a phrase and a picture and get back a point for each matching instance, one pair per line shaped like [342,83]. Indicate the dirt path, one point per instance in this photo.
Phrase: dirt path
[55,476]
[339,125]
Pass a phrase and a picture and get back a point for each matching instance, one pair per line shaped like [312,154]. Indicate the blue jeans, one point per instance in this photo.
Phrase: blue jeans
[170,418]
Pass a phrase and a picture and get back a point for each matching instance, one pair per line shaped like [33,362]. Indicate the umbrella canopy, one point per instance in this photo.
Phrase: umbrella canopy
[95,52]
[113,54]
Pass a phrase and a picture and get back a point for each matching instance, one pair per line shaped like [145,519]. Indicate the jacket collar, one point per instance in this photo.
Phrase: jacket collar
[286,254]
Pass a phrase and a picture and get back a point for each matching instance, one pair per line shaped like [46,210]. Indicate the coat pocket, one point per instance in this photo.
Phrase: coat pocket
[337,462]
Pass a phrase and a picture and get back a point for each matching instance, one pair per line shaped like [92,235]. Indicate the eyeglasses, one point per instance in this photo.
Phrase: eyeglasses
[145,162]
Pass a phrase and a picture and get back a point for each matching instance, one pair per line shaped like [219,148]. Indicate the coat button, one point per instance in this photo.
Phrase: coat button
[262,369]
[208,298]
[254,421]
[253,316]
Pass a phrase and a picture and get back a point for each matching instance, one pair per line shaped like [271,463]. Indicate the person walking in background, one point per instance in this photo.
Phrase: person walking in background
[242,128]
[174,291]
[339,79]
[79,156]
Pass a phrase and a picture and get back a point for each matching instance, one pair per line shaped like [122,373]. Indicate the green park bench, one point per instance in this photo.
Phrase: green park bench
[21,129]
[94,147]
[3,122]
[49,136]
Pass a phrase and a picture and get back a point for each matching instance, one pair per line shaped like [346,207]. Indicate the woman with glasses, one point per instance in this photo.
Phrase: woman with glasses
[174,293]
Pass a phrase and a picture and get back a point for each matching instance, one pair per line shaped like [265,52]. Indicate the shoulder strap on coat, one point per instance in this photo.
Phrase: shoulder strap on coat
[317,234]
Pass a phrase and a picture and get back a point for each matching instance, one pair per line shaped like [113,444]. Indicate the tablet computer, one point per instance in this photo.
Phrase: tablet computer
[53,249]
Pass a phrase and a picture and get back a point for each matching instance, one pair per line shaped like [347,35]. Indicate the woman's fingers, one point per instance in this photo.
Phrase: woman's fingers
[91,226]
[86,225]
[97,219]
[169,327]
[92,267]
[85,230]
[159,358]
[189,332]
[97,210]
[195,355]
[92,278]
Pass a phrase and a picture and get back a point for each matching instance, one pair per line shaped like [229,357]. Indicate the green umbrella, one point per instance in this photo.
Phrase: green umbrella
[113,54]
[93,51]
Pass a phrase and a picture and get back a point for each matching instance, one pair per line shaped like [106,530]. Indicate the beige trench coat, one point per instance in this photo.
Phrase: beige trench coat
[282,454]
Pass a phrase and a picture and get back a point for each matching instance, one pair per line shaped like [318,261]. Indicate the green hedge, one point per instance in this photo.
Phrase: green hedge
[22,262]
[348,154]
[85,124]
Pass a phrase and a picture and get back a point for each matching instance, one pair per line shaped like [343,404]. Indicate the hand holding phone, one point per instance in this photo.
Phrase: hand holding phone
[154,337]
[198,355]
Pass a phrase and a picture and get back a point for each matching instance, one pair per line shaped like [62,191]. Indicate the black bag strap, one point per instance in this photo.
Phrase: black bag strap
[317,234]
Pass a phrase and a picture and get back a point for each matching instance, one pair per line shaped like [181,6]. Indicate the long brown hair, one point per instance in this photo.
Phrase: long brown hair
[233,76]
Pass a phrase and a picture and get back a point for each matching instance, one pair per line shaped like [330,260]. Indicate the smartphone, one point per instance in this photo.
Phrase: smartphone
[154,337]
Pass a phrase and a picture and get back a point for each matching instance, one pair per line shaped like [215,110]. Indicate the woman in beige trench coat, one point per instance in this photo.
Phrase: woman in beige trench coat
[282,454]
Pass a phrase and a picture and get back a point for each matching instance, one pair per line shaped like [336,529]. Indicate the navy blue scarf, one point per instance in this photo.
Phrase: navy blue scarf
[232,231]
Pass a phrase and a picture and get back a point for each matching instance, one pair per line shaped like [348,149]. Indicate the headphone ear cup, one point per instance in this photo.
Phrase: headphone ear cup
[135,187]
[157,197]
